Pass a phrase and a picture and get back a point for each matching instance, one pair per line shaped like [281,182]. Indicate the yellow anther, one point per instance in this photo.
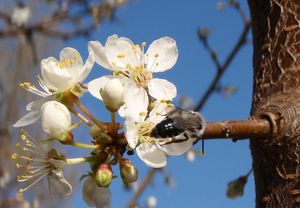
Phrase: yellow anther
[14,156]
[135,48]
[144,44]
[25,84]
[121,55]
[18,165]
[67,62]
[143,114]
[156,55]
[18,145]
[23,137]
[20,192]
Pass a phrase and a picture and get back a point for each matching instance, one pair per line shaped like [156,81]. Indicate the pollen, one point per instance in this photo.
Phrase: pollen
[20,192]
[25,85]
[156,55]
[121,55]
[143,114]
[14,156]
[67,62]
[135,48]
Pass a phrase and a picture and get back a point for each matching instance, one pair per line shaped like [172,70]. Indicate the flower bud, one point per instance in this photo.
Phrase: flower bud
[129,173]
[104,175]
[235,188]
[56,120]
[99,135]
[113,95]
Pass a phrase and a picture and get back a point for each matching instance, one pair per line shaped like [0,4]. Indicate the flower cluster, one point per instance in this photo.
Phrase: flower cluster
[130,90]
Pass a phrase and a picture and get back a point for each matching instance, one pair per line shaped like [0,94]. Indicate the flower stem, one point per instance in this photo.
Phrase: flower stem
[81,106]
[113,118]
[74,161]
[82,145]
[79,115]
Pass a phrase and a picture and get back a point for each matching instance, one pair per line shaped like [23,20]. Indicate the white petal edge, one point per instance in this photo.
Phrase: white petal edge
[151,155]
[178,148]
[162,54]
[87,67]
[99,54]
[136,102]
[28,119]
[58,181]
[94,195]
[162,89]
[95,85]
[130,133]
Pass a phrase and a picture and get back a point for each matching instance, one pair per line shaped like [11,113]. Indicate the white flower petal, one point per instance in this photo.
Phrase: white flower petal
[27,119]
[151,155]
[177,148]
[53,76]
[159,112]
[130,131]
[120,53]
[162,54]
[99,54]
[95,85]
[37,104]
[88,65]
[73,55]
[162,89]
[136,102]
[58,181]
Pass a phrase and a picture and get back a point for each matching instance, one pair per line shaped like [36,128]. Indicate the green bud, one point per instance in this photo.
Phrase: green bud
[236,187]
[129,173]
[104,175]
[97,133]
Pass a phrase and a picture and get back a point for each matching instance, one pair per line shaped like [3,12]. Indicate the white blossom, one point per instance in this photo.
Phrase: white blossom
[151,202]
[39,161]
[94,195]
[21,15]
[151,150]
[56,77]
[56,118]
[129,62]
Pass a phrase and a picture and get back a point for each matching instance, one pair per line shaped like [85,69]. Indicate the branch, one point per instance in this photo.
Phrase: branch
[244,129]
[142,187]
[222,68]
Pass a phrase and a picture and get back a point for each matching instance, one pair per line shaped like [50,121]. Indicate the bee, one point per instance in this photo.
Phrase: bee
[179,125]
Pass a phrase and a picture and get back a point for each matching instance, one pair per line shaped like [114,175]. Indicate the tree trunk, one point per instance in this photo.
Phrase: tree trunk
[276,96]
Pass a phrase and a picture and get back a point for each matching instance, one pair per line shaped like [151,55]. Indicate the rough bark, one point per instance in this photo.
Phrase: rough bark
[276,96]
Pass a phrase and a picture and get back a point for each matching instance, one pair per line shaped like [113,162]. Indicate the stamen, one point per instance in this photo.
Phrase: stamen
[31,88]
[122,55]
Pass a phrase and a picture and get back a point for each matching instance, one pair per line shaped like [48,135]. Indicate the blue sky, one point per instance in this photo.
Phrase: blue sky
[201,183]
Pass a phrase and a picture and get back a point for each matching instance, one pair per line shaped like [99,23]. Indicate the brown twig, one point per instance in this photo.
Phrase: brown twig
[238,130]
[142,187]
[222,68]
